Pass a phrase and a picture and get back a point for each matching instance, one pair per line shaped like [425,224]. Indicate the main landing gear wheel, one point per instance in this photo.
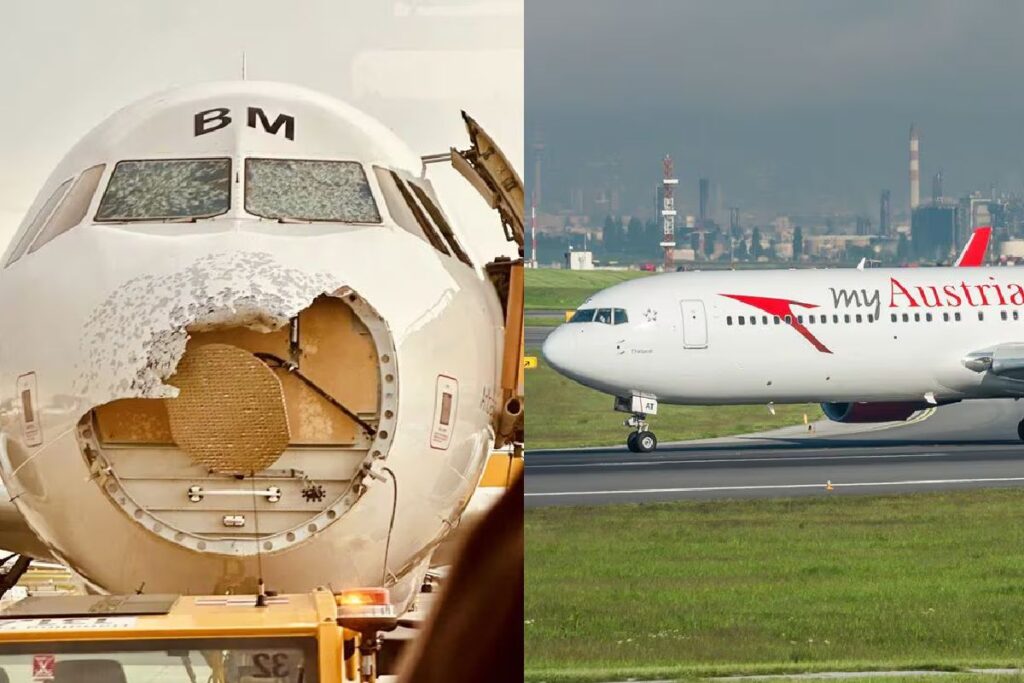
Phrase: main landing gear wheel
[645,442]
[1020,430]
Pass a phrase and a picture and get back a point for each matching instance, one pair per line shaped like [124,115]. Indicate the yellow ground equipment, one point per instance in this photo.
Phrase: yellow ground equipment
[305,638]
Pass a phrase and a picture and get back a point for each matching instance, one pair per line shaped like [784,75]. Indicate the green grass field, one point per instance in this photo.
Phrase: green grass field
[773,586]
[567,289]
[562,414]
[544,321]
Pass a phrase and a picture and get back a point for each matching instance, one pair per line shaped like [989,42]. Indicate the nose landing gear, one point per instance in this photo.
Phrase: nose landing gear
[1020,430]
[641,439]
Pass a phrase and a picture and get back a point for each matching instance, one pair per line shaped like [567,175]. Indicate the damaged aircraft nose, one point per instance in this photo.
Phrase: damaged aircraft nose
[292,406]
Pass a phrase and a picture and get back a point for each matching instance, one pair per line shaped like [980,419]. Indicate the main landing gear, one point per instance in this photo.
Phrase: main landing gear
[641,439]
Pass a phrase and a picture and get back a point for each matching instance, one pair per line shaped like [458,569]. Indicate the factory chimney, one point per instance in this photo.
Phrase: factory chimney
[705,187]
[915,169]
[885,214]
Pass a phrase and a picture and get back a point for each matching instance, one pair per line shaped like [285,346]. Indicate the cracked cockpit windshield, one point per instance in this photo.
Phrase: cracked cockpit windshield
[167,190]
[294,190]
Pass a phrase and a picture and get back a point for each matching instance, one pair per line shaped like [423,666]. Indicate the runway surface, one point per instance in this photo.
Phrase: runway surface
[535,336]
[967,445]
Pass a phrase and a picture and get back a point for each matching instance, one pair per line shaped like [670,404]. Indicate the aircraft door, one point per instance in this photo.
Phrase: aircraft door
[695,324]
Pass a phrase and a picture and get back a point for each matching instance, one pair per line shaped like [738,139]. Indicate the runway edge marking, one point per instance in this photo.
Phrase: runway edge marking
[766,487]
[767,458]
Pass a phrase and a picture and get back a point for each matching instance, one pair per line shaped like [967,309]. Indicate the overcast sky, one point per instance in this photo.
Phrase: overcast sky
[414,64]
[791,104]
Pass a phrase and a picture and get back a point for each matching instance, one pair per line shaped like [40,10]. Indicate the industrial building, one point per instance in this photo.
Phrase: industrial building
[933,231]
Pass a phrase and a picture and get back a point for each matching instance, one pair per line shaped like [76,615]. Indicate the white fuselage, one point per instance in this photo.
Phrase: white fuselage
[853,335]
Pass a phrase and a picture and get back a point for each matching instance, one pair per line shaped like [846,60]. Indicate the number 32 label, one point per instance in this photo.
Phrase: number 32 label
[271,665]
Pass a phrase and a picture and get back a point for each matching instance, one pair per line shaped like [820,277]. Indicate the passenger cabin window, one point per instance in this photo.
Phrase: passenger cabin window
[167,190]
[40,218]
[325,191]
[405,211]
[440,222]
[72,209]
[583,315]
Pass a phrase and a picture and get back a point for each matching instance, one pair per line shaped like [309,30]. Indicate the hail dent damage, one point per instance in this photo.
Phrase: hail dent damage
[134,340]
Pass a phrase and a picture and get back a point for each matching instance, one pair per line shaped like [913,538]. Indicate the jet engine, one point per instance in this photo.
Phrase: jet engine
[877,411]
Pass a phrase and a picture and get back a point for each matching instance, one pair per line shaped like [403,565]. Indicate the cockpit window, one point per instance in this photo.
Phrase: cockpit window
[583,315]
[440,222]
[335,191]
[72,209]
[405,211]
[44,213]
[167,189]
[607,316]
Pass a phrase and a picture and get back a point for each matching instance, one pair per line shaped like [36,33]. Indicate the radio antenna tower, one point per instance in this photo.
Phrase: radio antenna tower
[533,230]
[535,197]
[668,211]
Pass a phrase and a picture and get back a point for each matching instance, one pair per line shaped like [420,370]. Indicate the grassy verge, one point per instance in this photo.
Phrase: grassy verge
[544,321]
[930,580]
[567,289]
[563,414]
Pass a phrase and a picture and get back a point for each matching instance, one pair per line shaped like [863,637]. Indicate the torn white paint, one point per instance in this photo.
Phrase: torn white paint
[134,340]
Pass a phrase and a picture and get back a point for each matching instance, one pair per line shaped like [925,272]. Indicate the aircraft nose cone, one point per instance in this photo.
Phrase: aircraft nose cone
[557,350]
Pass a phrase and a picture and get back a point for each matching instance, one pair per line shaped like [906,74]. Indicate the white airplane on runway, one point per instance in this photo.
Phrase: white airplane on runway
[242,341]
[870,345]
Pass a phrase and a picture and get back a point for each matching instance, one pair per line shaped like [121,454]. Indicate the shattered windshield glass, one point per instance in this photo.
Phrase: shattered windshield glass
[167,189]
[335,191]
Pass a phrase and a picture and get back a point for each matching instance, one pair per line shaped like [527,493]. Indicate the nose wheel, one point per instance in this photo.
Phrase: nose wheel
[642,440]
[1020,430]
